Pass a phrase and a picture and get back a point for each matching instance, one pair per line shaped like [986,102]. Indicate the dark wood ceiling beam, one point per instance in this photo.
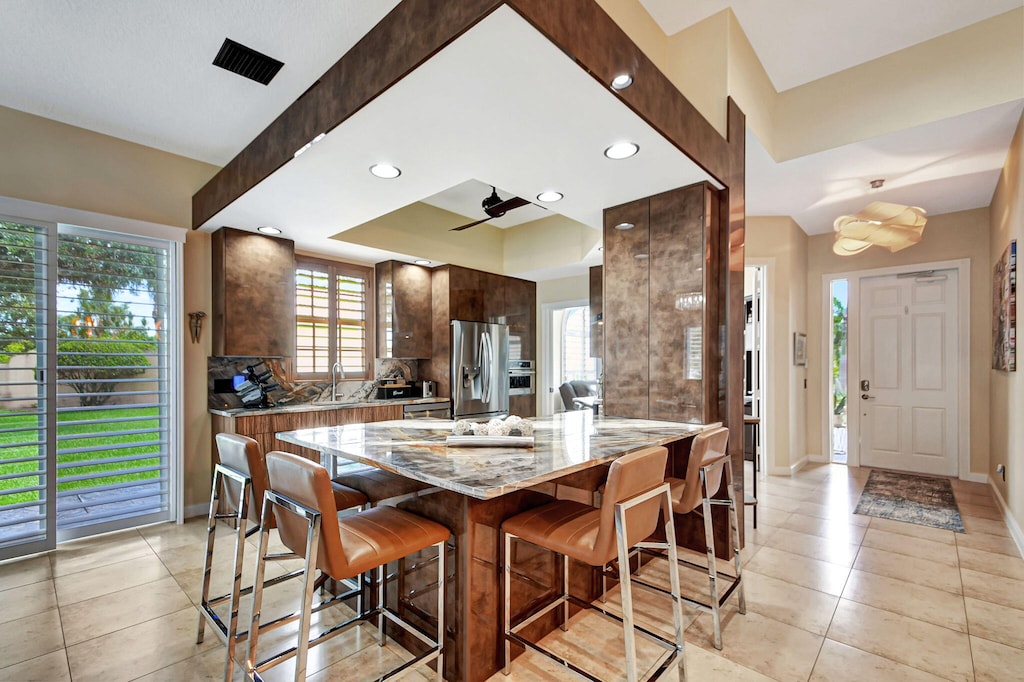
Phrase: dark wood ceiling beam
[408,36]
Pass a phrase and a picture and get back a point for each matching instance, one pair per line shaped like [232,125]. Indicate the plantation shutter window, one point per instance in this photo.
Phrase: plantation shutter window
[332,319]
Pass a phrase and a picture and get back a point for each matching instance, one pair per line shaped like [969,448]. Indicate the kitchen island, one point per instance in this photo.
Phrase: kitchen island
[478,488]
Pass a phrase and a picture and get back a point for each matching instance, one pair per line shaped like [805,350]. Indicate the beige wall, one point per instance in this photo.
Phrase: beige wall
[1006,391]
[951,236]
[53,163]
[781,245]
[976,67]
[565,241]
[198,439]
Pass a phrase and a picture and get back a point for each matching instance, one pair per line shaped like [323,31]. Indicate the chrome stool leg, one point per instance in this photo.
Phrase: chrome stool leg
[626,590]
[734,523]
[709,539]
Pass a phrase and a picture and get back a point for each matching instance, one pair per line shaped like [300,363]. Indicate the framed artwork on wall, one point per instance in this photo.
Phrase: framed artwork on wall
[1004,310]
[800,349]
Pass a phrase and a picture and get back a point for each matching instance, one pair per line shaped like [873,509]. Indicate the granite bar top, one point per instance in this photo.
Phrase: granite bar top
[415,448]
[314,407]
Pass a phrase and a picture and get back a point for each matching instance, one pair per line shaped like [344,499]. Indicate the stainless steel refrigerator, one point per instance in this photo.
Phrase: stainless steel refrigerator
[479,370]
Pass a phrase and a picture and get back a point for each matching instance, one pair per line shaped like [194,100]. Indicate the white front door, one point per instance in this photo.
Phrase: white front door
[907,389]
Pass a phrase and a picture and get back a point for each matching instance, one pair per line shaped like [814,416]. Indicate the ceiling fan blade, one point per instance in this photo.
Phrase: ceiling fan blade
[507,205]
[466,227]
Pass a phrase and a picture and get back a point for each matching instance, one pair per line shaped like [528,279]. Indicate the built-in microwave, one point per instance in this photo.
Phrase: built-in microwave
[521,376]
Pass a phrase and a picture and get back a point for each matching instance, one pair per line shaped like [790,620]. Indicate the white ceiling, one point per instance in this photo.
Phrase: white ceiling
[799,41]
[141,71]
[442,125]
[949,165]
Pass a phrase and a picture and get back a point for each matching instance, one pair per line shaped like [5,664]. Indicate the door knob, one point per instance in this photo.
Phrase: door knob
[865,396]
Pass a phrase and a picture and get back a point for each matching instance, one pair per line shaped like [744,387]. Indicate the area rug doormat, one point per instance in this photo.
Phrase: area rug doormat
[924,500]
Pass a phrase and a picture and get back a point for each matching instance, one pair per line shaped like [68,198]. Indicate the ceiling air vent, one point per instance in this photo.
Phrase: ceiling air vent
[247,62]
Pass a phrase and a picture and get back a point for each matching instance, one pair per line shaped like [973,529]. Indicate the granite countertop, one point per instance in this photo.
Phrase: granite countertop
[564,443]
[315,407]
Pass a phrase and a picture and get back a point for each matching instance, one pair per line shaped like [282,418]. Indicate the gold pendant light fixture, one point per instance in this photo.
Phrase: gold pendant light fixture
[890,226]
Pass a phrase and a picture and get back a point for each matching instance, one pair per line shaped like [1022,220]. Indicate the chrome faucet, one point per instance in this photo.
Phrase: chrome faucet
[336,369]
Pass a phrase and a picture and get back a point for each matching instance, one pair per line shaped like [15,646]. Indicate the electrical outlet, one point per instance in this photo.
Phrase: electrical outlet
[1001,470]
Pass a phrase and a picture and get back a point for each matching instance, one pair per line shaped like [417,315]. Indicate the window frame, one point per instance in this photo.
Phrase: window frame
[335,269]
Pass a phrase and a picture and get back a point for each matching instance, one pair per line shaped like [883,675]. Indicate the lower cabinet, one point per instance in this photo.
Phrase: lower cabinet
[522,405]
[263,427]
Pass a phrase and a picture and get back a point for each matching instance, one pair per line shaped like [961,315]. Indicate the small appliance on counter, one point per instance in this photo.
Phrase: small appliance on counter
[391,391]
[253,387]
[429,389]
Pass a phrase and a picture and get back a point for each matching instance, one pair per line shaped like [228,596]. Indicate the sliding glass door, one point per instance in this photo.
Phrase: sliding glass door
[86,437]
[27,388]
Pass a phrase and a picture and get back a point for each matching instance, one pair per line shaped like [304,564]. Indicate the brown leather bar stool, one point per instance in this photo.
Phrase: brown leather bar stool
[241,477]
[709,461]
[380,486]
[635,494]
[301,501]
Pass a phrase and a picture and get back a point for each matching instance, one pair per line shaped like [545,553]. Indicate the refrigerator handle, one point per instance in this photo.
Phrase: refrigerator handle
[485,365]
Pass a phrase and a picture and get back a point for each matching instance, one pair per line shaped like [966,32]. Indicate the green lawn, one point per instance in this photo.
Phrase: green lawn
[11,448]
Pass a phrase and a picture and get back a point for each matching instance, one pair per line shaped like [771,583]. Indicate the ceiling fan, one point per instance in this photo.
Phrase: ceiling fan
[495,207]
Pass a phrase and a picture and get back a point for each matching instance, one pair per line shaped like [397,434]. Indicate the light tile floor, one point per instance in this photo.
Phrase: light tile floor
[830,596]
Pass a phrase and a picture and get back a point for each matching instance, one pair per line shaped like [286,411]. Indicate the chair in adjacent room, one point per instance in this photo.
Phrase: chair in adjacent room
[635,496]
[571,391]
[240,479]
[301,501]
[708,464]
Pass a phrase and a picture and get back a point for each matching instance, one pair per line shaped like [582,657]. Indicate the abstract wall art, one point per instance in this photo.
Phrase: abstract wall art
[1004,311]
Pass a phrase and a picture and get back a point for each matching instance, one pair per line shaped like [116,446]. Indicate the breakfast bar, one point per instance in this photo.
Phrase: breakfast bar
[472,491]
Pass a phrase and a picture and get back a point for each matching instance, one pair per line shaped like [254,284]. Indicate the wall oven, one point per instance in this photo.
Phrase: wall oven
[521,376]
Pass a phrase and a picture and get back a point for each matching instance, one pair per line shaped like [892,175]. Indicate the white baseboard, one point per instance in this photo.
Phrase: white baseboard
[194,510]
[822,459]
[974,477]
[1011,522]
[790,470]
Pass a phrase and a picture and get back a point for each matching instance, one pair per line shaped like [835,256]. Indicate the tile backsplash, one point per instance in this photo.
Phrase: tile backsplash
[225,368]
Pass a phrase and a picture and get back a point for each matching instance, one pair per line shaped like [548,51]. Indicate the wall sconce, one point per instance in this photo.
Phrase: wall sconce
[195,324]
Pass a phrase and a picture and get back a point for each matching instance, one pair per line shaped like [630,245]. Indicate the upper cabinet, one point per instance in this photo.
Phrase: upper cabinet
[403,310]
[253,294]
[521,317]
[661,307]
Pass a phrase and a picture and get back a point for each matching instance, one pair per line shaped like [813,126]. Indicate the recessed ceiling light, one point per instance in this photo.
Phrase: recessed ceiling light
[549,196]
[641,256]
[622,150]
[305,148]
[625,226]
[267,229]
[421,262]
[622,81]
[385,171]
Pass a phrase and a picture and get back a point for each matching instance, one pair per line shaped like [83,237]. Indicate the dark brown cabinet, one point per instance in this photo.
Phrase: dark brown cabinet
[520,314]
[253,294]
[404,302]
[465,294]
[264,427]
[661,308]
